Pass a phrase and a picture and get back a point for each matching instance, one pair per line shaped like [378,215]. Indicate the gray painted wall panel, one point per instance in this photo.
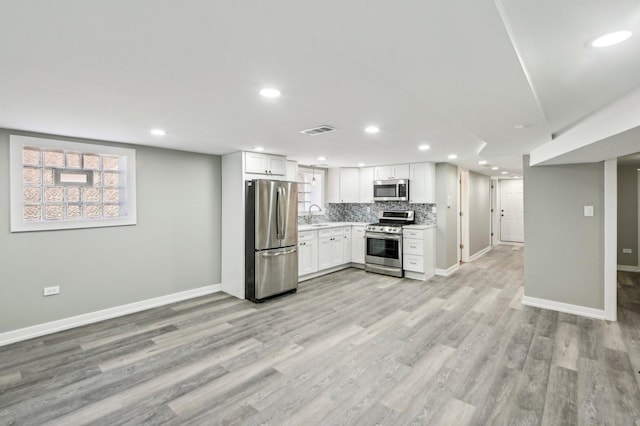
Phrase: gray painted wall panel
[174,247]
[479,212]
[628,214]
[564,254]
[447,230]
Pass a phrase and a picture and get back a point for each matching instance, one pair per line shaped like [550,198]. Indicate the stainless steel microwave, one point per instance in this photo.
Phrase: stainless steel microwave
[391,190]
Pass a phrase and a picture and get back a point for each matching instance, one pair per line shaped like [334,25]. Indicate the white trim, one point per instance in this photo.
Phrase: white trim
[479,254]
[448,271]
[463,221]
[16,145]
[638,240]
[510,243]
[610,239]
[92,317]
[627,268]
[312,275]
[564,307]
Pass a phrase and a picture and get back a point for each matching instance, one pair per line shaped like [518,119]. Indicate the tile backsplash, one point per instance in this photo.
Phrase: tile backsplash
[363,212]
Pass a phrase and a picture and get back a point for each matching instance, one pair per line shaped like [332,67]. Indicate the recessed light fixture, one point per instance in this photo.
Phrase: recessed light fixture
[504,173]
[361,164]
[452,156]
[157,132]
[495,168]
[270,92]
[424,147]
[482,162]
[258,148]
[372,130]
[321,158]
[610,39]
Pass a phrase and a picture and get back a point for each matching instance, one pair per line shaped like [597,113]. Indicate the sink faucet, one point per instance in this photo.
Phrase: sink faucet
[309,216]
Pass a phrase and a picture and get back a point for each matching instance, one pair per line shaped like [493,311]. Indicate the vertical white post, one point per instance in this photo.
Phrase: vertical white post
[610,239]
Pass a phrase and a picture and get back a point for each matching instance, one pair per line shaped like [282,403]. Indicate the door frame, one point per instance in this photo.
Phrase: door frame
[463,215]
[611,239]
[495,211]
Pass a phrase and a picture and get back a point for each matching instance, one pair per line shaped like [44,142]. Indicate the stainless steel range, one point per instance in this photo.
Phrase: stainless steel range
[383,242]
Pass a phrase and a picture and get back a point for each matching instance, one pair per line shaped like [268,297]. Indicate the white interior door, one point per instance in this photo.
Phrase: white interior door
[512,211]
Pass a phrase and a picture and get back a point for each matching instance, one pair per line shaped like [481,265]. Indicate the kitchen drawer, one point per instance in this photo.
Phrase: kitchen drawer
[411,246]
[413,263]
[306,236]
[413,233]
[331,232]
[347,230]
[358,231]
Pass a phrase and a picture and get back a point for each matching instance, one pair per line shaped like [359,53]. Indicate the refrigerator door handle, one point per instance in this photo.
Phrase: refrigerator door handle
[280,225]
[280,253]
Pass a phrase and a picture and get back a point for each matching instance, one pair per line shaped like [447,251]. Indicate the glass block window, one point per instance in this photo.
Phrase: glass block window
[61,185]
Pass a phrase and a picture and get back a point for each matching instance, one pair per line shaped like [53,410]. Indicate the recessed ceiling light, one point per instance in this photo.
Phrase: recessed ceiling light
[482,162]
[424,147]
[505,173]
[322,158]
[270,92]
[258,148]
[452,156]
[610,39]
[361,164]
[157,132]
[495,168]
[372,129]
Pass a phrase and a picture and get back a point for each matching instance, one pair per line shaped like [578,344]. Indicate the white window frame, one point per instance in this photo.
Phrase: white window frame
[318,172]
[16,145]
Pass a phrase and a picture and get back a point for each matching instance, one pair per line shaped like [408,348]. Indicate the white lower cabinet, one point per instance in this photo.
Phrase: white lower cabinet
[327,249]
[307,252]
[418,253]
[357,244]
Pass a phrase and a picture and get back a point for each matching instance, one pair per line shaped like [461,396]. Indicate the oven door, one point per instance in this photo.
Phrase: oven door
[383,249]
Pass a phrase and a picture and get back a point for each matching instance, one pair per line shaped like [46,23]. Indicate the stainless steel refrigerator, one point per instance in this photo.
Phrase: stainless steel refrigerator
[271,251]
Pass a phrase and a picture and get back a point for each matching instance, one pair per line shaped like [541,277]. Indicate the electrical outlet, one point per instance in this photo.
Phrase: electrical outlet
[50,291]
[627,251]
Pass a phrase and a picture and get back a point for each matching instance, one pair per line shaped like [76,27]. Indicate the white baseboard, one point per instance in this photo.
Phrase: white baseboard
[480,253]
[627,268]
[564,307]
[510,243]
[420,276]
[91,317]
[449,271]
[307,277]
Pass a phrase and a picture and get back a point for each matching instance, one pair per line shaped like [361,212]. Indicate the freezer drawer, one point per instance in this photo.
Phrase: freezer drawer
[276,271]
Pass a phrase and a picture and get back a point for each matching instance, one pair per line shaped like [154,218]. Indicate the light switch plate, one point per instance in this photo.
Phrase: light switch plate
[588,210]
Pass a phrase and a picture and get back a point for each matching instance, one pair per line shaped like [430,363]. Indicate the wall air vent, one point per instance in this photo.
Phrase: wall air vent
[318,130]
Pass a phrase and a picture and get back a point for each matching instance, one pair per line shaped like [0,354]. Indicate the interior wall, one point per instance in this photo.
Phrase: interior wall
[446,216]
[174,247]
[564,258]
[479,212]
[627,214]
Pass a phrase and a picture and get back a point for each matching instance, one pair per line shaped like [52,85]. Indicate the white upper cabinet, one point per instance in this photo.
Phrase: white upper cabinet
[343,185]
[349,185]
[265,164]
[396,171]
[292,170]
[422,183]
[366,185]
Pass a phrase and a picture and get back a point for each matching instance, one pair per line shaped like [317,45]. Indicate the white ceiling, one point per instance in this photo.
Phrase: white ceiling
[455,74]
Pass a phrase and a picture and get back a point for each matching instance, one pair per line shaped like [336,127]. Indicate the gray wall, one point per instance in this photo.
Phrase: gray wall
[564,255]
[174,247]
[628,214]
[479,212]
[446,217]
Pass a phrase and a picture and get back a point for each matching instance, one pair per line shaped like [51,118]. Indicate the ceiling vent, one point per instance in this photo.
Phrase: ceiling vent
[318,130]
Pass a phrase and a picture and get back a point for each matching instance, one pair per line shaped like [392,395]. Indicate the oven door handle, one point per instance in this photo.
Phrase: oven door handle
[382,236]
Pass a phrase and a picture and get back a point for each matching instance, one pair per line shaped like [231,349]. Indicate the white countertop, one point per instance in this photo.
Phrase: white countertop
[419,226]
[327,225]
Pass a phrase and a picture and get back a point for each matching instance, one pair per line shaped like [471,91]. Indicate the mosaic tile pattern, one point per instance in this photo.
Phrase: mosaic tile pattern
[357,212]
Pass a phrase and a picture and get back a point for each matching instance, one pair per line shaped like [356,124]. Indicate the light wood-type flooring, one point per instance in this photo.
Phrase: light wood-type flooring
[348,348]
